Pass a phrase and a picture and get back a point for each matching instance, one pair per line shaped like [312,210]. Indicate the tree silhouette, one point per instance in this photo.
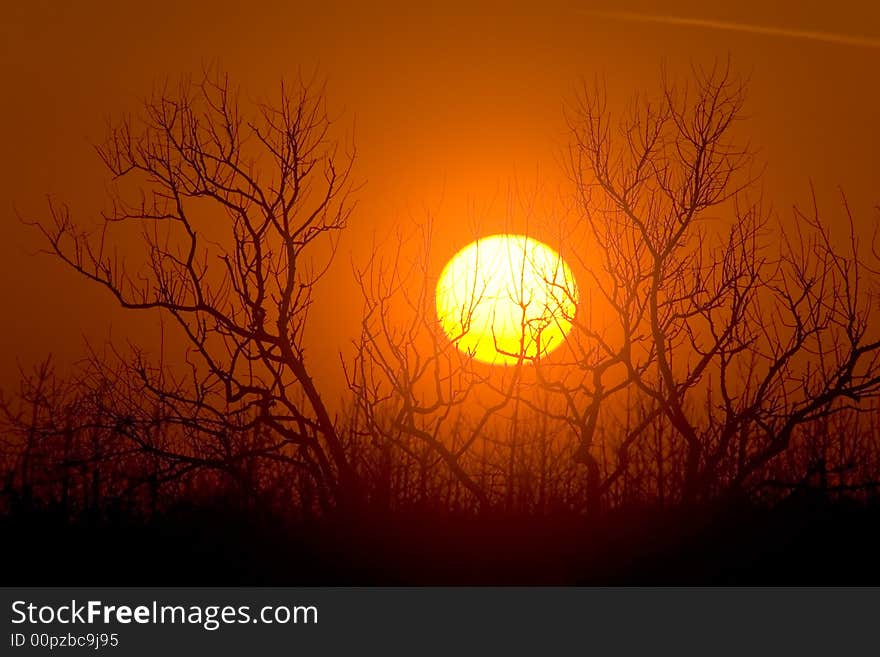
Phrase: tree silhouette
[236,210]
[410,383]
[735,333]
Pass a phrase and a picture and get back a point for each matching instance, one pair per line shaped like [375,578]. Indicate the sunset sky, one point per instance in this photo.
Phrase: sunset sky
[449,109]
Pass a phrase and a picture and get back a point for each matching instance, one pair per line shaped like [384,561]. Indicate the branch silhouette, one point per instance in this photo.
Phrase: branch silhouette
[237,212]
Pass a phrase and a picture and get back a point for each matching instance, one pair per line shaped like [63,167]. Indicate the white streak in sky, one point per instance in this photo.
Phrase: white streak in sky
[826,37]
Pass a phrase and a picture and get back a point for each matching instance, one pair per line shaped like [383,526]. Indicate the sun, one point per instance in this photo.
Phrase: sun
[503,297]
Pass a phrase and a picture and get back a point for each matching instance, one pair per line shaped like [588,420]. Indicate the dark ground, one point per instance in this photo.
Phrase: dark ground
[802,541]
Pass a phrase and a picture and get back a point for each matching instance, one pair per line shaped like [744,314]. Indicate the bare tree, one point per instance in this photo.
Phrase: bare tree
[421,398]
[235,210]
[410,384]
[735,332]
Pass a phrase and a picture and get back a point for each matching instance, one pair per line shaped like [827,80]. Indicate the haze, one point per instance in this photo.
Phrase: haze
[449,108]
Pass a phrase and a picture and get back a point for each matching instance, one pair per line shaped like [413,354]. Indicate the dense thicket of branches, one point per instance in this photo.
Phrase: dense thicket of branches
[725,350]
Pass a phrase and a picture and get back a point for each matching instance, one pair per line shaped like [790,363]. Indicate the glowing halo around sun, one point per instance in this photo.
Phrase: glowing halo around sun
[506,296]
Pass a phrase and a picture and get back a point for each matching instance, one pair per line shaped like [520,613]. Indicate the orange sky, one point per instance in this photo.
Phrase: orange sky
[450,107]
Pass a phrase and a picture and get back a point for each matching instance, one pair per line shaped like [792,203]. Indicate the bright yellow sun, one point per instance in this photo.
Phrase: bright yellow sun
[504,296]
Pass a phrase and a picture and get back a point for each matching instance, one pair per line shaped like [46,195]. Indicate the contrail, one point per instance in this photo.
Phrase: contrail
[826,37]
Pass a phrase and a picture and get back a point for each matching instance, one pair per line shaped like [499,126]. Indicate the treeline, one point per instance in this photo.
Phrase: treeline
[717,350]
[74,450]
